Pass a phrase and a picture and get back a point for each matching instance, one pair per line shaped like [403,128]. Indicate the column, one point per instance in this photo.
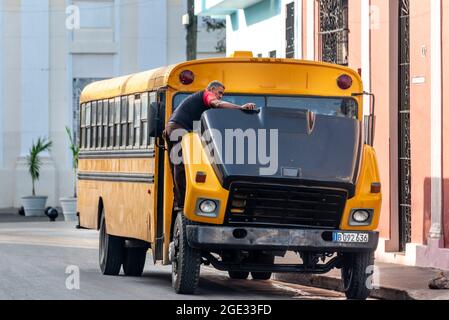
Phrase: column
[298,29]
[436,230]
[1,84]
[35,99]
[365,51]
[310,30]
[35,69]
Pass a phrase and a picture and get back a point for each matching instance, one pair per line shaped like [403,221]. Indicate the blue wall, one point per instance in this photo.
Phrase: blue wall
[262,11]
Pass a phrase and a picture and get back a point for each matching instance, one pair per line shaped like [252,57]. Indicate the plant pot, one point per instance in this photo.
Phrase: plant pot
[34,206]
[69,209]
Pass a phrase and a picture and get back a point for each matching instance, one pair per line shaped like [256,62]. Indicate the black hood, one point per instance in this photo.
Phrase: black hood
[321,151]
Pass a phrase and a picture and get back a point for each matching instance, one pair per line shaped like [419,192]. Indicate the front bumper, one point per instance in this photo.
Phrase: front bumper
[224,238]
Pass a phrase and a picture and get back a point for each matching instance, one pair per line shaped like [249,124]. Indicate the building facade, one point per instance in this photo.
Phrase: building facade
[401,49]
[49,51]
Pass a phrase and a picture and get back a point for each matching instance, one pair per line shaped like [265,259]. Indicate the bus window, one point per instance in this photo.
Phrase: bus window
[244,99]
[117,136]
[153,98]
[111,136]
[99,122]
[104,143]
[88,126]
[232,98]
[94,125]
[83,126]
[124,122]
[337,107]
[136,124]
[144,120]
[131,102]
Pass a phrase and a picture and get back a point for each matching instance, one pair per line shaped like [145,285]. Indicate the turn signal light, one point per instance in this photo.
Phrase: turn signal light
[200,177]
[344,82]
[375,187]
[187,77]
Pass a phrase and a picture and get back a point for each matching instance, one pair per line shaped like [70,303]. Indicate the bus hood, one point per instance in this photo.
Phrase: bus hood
[282,146]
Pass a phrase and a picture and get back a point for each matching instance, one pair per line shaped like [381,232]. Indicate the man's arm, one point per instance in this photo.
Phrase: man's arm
[215,103]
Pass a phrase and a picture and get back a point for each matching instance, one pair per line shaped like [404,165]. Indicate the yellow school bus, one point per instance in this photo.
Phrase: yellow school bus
[317,193]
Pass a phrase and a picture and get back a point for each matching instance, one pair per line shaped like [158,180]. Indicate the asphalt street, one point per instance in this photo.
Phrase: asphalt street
[40,260]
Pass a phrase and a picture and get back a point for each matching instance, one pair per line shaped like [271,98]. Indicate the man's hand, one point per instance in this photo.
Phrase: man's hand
[249,106]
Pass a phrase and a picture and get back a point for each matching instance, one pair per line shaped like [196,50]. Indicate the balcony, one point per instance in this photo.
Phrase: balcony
[221,7]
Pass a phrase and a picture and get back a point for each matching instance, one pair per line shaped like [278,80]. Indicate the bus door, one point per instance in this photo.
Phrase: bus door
[156,127]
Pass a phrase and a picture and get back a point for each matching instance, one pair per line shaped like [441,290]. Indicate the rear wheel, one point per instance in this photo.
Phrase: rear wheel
[186,262]
[266,260]
[111,251]
[355,274]
[240,275]
[134,261]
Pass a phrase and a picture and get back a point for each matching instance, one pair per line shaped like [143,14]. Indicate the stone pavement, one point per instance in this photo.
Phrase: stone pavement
[395,282]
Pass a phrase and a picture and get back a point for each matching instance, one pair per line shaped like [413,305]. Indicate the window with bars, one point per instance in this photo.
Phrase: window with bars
[290,31]
[116,123]
[334,31]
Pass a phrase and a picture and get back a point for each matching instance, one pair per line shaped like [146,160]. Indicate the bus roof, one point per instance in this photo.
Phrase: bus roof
[129,84]
[167,76]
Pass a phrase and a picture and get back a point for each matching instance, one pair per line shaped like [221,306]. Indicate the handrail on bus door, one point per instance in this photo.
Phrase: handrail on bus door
[369,120]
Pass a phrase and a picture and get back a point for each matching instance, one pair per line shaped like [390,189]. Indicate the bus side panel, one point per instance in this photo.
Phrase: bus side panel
[128,204]
[88,197]
[128,208]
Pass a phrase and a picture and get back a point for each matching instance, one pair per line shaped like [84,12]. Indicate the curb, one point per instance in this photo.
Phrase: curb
[333,283]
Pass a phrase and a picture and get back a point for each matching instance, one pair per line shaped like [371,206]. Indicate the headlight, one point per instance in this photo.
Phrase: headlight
[208,206]
[361,217]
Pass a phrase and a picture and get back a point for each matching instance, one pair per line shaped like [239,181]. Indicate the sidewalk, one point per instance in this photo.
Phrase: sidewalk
[11,215]
[396,282]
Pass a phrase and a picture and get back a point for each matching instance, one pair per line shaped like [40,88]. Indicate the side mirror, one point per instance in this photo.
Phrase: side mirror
[369,120]
[156,120]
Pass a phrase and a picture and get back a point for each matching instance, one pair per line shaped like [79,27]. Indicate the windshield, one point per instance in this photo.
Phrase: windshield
[337,107]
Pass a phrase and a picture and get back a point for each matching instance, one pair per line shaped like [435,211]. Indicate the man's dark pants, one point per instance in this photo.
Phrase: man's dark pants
[178,170]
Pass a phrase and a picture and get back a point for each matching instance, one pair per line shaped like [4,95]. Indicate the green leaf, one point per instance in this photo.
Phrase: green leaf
[33,160]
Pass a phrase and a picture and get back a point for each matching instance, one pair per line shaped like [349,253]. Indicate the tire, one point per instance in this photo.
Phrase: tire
[134,261]
[239,275]
[263,259]
[111,251]
[355,276]
[187,260]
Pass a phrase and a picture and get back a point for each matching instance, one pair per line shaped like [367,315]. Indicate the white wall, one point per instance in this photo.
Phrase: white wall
[40,57]
[176,32]
[1,90]
[153,35]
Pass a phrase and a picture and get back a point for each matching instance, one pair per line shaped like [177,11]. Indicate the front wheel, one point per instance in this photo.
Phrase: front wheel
[355,274]
[111,251]
[186,262]
[239,275]
[264,259]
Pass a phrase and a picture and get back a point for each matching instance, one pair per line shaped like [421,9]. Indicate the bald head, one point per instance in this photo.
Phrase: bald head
[215,85]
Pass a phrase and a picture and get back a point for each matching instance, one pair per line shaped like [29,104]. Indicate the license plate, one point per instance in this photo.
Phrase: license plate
[350,237]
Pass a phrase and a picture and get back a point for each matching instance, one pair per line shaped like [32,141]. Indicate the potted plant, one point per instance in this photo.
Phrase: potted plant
[69,203]
[35,205]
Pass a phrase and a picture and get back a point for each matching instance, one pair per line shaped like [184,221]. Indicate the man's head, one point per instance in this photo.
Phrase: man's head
[217,88]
